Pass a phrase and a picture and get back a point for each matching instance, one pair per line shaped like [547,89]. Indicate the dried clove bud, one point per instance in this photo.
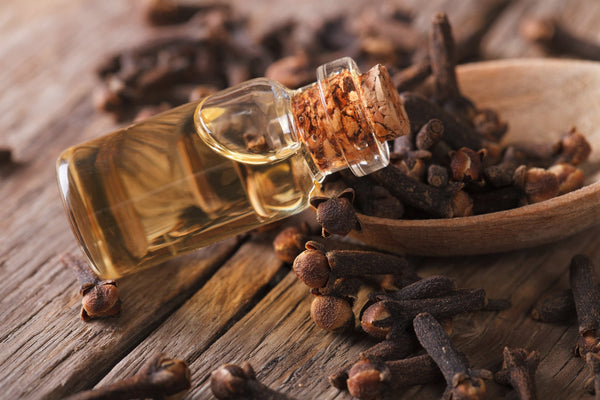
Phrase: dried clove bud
[369,379]
[557,38]
[317,267]
[586,294]
[437,175]
[230,381]
[488,124]
[289,243]
[312,267]
[467,165]
[430,134]
[379,318]
[518,371]
[439,202]
[572,148]
[501,174]
[100,298]
[443,64]
[398,345]
[430,287]
[332,313]
[556,307]
[537,184]
[336,214]
[462,381]
[570,178]
[160,377]
[456,133]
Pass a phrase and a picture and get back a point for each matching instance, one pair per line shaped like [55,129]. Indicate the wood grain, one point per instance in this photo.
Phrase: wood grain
[225,298]
[47,55]
[47,351]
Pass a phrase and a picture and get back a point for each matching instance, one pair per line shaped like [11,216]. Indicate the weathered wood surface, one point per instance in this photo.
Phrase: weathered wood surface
[250,308]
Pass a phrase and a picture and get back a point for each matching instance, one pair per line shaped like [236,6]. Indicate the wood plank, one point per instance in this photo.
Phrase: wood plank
[290,354]
[47,351]
[46,59]
[46,74]
[224,299]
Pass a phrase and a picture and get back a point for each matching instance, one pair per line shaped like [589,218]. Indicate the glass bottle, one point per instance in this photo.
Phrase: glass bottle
[237,159]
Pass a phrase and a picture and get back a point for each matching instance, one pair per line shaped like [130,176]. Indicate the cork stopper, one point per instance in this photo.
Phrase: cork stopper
[345,118]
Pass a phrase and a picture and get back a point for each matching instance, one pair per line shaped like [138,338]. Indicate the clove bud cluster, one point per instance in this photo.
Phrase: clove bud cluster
[452,164]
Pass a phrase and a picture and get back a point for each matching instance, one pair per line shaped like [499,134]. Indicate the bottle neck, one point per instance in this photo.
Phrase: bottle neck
[345,118]
[341,121]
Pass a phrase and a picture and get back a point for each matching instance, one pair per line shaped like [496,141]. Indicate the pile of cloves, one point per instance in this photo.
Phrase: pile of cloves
[196,49]
[452,163]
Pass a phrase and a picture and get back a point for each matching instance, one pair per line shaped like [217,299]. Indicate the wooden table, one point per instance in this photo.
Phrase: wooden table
[233,301]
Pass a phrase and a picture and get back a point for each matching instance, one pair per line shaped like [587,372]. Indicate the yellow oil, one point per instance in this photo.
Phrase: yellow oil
[148,192]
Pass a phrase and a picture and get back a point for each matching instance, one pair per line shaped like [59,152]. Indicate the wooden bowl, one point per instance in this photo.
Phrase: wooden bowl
[540,99]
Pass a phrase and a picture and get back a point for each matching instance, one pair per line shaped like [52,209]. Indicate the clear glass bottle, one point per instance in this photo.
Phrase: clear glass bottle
[239,158]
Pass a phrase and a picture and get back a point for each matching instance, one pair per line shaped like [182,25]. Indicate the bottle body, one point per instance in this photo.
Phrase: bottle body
[144,194]
[240,158]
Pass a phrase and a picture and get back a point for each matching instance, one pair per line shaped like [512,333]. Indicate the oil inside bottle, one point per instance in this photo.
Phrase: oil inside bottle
[143,194]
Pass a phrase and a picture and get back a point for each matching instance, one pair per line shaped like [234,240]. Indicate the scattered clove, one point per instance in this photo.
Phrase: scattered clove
[556,38]
[556,307]
[586,294]
[369,379]
[336,214]
[398,345]
[462,381]
[289,243]
[332,313]
[230,381]
[443,65]
[317,267]
[100,297]
[430,287]
[160,377]
[518,371]
[380,317]
[412,76]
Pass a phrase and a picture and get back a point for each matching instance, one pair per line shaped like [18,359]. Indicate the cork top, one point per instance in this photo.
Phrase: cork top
[345,118]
